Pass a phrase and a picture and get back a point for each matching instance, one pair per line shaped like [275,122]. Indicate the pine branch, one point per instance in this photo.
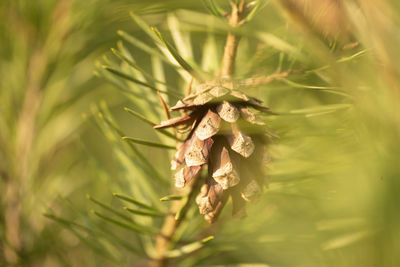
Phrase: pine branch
[180,208]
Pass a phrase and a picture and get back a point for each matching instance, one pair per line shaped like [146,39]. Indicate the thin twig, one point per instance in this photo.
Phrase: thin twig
[262,80]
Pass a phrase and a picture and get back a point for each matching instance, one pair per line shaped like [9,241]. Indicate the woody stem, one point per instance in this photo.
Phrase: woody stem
[171,224]
[232,40]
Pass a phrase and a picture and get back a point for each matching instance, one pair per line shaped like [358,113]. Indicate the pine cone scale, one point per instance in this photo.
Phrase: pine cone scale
[228,112]
[208,126]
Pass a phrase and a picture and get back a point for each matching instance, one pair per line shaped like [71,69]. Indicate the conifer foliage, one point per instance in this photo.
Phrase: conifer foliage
[207,91]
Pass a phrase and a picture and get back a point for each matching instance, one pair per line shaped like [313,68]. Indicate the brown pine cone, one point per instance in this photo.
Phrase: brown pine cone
[225,135]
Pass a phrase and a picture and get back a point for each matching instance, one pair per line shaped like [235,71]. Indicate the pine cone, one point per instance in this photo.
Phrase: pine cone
[225,135]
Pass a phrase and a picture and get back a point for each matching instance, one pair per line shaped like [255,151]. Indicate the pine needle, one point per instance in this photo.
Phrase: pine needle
[147,143]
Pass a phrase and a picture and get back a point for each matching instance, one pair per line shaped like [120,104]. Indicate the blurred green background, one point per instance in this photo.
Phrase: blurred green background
[334,192]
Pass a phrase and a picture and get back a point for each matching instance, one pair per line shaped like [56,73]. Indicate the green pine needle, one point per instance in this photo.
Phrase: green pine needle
[135,66]
[179,213]
[142,46]
[131,79]
[135,202]
[176,253]
[144,212]
[109,208]
[254,10]
[147,143]
[213,8]
[171,198]
[66,222]
[177,57]
[143,118]
[140,116]
[133,227]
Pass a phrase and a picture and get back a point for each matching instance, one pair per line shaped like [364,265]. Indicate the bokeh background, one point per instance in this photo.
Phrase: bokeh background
[334,192]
